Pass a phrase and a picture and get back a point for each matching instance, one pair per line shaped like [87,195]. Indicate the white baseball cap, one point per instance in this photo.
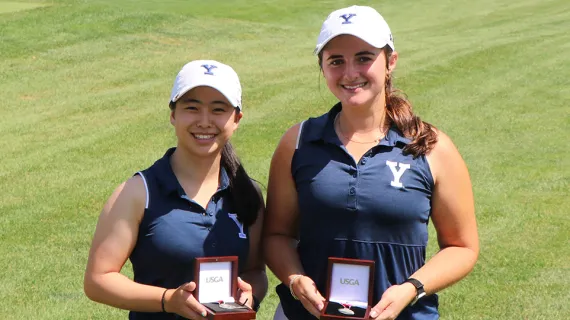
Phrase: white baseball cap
[208,73]
[360,21]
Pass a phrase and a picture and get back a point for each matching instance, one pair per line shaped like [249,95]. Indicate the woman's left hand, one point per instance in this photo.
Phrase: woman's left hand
[393,301]
[245,293]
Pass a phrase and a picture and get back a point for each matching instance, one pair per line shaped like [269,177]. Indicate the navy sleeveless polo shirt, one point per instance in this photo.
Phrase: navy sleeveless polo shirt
[376,209]
[175,229]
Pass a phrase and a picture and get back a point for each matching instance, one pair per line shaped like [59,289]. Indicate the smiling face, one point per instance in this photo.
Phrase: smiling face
[355,71]
[204,120]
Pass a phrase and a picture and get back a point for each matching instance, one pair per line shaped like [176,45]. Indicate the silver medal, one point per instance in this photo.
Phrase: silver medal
[346,311]
[227,306]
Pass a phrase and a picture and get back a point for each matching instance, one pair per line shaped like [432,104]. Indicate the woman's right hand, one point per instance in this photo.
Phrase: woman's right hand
[182,302]
[306,291]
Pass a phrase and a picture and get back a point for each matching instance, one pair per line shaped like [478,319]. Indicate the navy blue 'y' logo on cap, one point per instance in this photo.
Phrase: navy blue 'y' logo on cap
[347,17]
[209,68]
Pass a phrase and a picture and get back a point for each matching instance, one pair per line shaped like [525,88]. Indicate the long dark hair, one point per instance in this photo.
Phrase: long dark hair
[245,195]
[399,112]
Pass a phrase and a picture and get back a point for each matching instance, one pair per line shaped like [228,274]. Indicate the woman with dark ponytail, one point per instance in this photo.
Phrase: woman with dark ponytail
[196,201]
[361,182]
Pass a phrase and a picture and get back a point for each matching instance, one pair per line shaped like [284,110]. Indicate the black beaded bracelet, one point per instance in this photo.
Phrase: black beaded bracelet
[162,300]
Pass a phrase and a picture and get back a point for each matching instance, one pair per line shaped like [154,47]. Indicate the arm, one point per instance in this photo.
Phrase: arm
[453,216]
[254,273]
[281,225]
[114,239]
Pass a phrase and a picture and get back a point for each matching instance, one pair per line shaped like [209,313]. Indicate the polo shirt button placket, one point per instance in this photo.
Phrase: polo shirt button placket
[364,157]
[353,172]
[208,209]
[211,205]
[351,205]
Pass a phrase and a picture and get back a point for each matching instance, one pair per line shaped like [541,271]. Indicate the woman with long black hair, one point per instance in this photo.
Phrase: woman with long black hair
[196,201]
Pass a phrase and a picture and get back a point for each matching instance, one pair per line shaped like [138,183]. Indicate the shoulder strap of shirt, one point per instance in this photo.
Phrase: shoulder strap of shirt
[146,188]
[297,145]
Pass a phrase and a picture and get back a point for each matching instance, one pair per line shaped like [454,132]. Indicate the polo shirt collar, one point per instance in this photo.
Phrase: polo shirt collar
[323,130]
[169,183]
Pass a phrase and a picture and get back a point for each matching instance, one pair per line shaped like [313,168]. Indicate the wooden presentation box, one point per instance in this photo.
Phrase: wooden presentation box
[216,288]
[350,284]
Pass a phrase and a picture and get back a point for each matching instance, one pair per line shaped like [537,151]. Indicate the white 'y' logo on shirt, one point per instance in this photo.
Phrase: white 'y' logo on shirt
[397,172]
[241,234]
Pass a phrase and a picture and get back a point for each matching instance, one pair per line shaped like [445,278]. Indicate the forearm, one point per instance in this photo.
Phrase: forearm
[448,266]
[117,290]
[281,256]
[258,281]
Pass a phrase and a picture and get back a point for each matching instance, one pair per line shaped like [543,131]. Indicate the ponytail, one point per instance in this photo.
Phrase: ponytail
[399,112]
[245,195]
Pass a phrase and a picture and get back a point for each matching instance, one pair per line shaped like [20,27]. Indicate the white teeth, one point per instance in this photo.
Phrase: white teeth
[354,87]
[203,136]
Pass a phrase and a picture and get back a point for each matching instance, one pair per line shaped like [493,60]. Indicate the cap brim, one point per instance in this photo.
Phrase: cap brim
[188,88]
[379,45]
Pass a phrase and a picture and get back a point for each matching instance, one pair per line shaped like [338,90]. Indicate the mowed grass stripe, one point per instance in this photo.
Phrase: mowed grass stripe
[9,6]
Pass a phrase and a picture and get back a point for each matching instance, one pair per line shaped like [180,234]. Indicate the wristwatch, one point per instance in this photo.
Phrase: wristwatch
[420,292]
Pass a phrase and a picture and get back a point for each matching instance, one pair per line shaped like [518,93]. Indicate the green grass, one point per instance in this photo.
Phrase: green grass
[9,6]
[83,105]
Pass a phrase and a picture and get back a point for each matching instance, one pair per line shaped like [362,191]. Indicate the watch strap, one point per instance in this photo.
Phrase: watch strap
[420,292]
